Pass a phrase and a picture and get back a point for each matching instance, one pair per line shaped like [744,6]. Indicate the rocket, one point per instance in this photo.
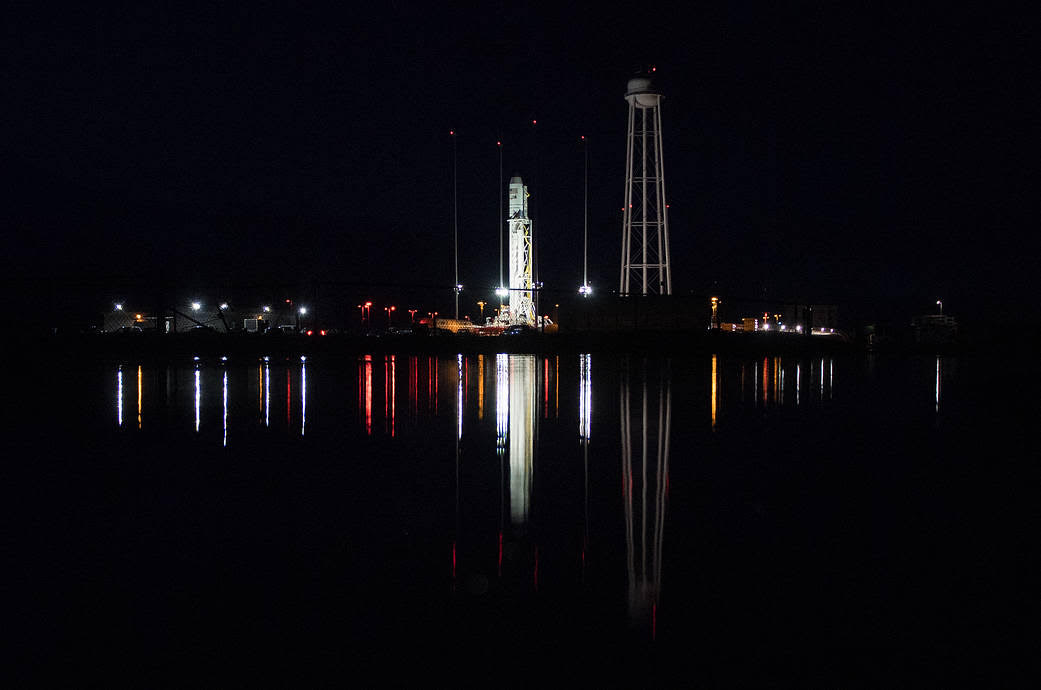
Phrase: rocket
[522,308]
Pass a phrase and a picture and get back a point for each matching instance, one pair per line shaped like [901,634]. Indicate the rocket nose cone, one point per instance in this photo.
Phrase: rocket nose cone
[516,179]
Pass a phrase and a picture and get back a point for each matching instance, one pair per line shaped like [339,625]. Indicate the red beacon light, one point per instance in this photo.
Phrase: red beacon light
[310,332]
[321,332]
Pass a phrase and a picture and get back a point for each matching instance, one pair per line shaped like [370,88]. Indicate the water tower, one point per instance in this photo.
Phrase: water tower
[645,223]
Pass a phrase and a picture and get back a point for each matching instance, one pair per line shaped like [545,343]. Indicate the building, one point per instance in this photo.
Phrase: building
[814,316]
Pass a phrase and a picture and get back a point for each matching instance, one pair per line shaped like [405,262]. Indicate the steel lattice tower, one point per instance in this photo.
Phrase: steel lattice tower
[522,307]
[645,223]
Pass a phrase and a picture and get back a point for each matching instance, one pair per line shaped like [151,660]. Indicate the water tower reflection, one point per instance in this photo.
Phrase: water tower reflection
[645,434]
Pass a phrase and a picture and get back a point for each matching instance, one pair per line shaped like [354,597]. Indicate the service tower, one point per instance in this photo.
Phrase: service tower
[522,309]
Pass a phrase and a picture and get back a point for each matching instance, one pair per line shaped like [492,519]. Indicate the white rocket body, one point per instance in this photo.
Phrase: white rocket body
[522,308]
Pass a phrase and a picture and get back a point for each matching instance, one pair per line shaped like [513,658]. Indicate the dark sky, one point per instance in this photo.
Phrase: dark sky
[868,156]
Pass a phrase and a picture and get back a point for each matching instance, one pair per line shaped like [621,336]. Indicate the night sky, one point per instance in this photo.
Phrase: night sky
[868,157]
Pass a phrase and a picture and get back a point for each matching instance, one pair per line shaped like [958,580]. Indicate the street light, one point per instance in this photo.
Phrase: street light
[119,306]
[939,303]
[223,305]
[303,310]
[412,315]
[196,306]
[481,305]
[389,311]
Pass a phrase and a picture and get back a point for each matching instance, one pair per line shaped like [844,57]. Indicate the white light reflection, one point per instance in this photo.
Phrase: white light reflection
[585,396]
[822,378]
[798,380]
[502,399]
[303,395]
[198,395]
[119,395]
[522,434]
[937,388]
[831,378]
[225,410]
[755,385]
[267,392]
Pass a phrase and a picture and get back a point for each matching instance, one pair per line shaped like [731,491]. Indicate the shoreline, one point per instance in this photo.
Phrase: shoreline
[107,346]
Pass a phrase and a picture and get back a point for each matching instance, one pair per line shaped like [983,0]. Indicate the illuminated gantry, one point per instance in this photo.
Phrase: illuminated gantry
[522,307]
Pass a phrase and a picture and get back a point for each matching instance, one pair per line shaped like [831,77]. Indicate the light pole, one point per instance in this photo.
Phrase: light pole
[390,310]
[300,312]
[585,289]
[939,303]
[481,305]
[412,315]
[455,221]
[501,286]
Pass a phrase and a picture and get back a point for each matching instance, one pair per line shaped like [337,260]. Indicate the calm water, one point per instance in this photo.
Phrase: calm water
[799,519]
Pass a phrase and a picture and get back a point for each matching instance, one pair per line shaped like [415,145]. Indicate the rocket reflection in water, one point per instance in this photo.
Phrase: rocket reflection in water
[522,406]
[647,427]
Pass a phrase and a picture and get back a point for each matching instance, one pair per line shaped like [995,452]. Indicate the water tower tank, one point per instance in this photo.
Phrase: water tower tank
[641,91]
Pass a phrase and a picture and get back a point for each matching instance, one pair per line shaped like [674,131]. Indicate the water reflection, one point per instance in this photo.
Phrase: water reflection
[365,392]
[937,385]
[769,380]
[715,390]
[303,395]
[225,409]
[502,418]
[119,395]
[648,427]
[139,396]
[389,388]
[198,395]
[585,425]
[480,387]
[522,408]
